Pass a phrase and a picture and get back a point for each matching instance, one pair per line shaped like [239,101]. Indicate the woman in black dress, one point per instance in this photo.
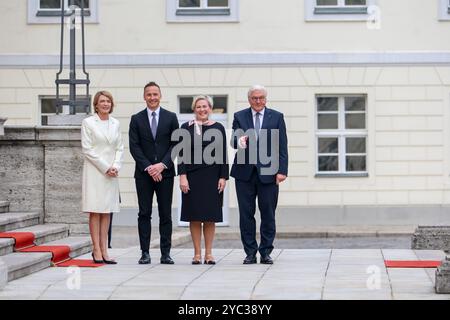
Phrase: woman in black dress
[203,174]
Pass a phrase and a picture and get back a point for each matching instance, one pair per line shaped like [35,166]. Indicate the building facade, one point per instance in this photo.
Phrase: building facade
[364,86]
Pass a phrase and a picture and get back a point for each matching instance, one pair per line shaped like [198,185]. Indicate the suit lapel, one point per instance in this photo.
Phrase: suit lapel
[105,134]
[250,119]
[161,122]
[146,121]
[112,129]
[266,119]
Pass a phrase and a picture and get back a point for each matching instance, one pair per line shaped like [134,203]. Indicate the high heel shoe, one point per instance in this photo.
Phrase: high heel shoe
[197,261]
[96,261]
[109,261]
[209,261]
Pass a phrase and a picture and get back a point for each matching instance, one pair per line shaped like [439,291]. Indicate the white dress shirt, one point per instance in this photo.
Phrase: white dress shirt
[261,117]
[149,114]
[241,142]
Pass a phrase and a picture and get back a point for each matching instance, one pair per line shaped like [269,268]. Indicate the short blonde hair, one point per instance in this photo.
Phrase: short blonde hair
[106,94]
[202,97]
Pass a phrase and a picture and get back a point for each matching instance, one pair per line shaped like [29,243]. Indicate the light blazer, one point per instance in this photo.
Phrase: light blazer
[101,151]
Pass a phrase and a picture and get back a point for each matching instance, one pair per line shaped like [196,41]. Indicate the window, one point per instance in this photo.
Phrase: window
[203,7]
[202,10]
[341,135]
[48,107]
[50,8]
[355,10]
[340,6]
[220,104]
[444,10]
[49,11]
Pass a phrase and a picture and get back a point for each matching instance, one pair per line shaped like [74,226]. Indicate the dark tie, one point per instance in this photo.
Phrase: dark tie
[257,123]
[154,125]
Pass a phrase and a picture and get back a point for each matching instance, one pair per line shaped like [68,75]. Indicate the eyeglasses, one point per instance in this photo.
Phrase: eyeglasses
[257,98]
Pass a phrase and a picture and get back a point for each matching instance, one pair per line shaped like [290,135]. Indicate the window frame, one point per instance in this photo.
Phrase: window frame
[341,133]
[36,15]
[340,12]
[444,10]
[202,14]
[202,10]
[341,8]
[53,97]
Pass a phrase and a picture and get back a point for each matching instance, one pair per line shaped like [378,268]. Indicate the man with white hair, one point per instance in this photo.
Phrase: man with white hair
[260,165]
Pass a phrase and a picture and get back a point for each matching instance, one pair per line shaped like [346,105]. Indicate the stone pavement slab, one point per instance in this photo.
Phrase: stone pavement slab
[296,275]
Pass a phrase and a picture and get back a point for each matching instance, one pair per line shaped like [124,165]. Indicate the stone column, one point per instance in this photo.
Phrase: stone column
[2,129]
[63,168]
[41,170]
[431,238]
[435,238]
[443,276]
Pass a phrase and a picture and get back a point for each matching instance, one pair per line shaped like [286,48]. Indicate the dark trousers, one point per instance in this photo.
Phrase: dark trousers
[146,187]
[267,194]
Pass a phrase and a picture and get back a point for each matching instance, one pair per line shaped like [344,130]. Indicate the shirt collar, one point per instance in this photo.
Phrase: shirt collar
[260,112]
[149,112]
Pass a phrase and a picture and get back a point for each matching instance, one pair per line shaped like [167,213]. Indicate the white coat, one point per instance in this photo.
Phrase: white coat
[100,193]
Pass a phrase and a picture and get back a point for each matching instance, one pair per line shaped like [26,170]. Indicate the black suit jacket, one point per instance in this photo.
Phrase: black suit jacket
[272,120]
[145,149]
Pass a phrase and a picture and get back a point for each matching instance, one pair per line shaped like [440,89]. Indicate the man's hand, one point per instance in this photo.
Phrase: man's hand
[280,178]
[242,142]
[157,178]
[156,169]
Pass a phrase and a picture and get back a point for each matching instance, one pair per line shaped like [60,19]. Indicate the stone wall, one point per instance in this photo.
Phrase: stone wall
[40,170]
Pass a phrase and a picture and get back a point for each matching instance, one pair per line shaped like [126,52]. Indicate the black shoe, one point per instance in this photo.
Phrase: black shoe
[96,261]
[209,259]
[197,259]
[109,261]
[145,259]
[250,259]
[266,260]
[166,260]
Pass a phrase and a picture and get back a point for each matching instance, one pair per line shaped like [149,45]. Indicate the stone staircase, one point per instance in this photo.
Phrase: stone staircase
[14,265]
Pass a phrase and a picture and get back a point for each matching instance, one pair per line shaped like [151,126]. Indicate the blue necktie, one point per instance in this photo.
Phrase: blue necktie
[257,124]
[154,125]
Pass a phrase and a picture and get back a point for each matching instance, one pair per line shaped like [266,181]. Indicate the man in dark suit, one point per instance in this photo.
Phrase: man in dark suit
[151,146]
[260,165]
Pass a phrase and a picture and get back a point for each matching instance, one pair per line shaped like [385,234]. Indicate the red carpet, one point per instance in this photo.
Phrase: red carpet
[24,242]
[86,263]
[412,264]
[23,239]
[60,253]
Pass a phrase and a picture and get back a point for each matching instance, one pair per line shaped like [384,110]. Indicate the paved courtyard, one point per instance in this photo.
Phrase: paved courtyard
[296,274]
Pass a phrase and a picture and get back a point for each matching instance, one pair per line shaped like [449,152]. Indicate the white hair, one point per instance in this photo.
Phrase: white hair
[255,88]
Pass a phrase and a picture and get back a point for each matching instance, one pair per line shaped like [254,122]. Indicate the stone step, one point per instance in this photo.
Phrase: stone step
[21,264]
[78,245]
[15,220]
[4,206]
[43,233]
[3,274]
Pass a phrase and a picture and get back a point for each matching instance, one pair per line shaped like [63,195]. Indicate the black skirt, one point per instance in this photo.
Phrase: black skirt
[203,202]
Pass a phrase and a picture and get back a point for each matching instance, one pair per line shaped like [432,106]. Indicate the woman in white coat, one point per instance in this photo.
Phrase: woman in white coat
[102,147]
